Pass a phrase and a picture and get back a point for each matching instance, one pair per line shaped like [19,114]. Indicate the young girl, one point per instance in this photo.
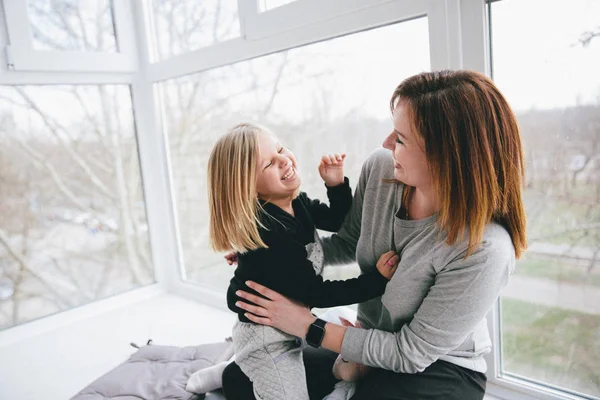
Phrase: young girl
[257,210]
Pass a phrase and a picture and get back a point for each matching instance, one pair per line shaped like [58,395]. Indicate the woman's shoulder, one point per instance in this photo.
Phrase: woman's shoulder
[496,244]
[379,164]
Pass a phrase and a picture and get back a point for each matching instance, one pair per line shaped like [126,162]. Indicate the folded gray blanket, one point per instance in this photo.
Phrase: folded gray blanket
[157,373]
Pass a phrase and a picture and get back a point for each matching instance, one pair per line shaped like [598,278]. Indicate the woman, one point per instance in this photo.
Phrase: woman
[448,200]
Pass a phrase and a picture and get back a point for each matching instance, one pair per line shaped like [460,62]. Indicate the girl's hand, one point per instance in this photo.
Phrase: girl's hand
[276,310]
[388,263]
[231,258]
[331,169]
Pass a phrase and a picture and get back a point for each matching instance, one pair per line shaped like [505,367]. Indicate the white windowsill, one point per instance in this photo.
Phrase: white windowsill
[58,356]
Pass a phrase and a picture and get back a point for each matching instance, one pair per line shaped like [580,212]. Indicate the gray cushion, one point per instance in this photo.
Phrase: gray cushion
[157,373]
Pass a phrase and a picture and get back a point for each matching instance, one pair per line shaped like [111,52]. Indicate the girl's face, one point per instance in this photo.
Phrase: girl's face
[410,162]
[277,177]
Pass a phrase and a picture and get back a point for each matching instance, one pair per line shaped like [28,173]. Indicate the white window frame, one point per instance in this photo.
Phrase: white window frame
[22,56]
[297,14]
[458,38]
[381,13]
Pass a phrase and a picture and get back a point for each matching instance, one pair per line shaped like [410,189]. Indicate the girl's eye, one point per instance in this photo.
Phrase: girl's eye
[280,150]
[269,164]
[399,141]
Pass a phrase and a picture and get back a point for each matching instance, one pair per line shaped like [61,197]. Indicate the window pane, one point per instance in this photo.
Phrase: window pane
[72,25]
[551,308]
[181,26]
[326,97]
[73,227]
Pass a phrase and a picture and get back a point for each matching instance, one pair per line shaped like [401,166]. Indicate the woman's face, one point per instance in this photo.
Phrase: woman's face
[277,177]
[408,148]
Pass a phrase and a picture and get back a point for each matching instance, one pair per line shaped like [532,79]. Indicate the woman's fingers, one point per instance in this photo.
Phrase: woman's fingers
[258,320]
[256,310]
[265,291]
[252,298]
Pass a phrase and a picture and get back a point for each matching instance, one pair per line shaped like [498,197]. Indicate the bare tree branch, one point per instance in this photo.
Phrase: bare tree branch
[53,126]
[45,165]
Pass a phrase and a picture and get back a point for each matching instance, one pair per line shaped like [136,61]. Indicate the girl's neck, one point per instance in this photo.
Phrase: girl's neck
[285,204]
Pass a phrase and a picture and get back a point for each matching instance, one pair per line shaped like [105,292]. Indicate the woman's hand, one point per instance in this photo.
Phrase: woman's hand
[331,169]
[276,310]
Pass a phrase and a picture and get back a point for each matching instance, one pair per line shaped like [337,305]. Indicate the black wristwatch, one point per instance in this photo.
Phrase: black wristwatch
[316,333]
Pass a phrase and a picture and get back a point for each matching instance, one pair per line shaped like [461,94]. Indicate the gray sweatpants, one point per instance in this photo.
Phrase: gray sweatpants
[272,360]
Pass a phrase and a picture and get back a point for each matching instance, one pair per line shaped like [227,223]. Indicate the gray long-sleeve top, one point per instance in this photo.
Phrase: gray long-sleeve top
[435,305]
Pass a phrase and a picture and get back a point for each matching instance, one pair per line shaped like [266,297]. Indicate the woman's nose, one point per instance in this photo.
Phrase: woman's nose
[388,142]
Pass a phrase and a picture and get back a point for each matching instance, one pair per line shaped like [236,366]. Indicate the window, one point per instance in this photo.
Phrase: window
[70,35]
[73,227]
[550,321]
[184,26]
[303,95]
[72,25]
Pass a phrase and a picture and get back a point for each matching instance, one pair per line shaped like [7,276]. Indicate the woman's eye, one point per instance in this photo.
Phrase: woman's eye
[399,141]
[280,150]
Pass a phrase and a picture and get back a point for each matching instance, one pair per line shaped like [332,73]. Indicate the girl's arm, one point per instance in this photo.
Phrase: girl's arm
[288,271]
[330,217]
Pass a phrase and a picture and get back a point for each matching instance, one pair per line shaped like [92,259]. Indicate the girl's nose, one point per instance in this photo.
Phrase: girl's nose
[284,161]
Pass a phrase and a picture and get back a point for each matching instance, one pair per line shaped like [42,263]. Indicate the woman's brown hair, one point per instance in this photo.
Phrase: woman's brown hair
[473,147]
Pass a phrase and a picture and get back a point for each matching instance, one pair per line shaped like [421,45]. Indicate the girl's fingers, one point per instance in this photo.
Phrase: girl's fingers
[333,159]
[393,260]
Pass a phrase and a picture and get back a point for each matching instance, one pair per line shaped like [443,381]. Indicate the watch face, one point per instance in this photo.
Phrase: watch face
[315,335]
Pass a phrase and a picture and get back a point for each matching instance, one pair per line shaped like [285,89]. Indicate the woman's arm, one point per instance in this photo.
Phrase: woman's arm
[286,315]
[461,296]
[463,292]
[340,248]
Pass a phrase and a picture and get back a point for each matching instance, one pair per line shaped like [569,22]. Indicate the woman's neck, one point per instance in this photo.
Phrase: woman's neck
[422,203]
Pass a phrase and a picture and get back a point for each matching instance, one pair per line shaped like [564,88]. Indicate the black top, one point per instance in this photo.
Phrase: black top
[285,266]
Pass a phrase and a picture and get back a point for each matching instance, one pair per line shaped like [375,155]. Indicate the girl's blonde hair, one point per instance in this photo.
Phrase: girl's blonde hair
[473,146]
[232,196]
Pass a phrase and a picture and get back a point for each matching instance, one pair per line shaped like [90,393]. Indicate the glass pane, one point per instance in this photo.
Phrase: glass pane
[72,25]
[266,5]
[181,26]
[316,98]
[551,307]
[73,226]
